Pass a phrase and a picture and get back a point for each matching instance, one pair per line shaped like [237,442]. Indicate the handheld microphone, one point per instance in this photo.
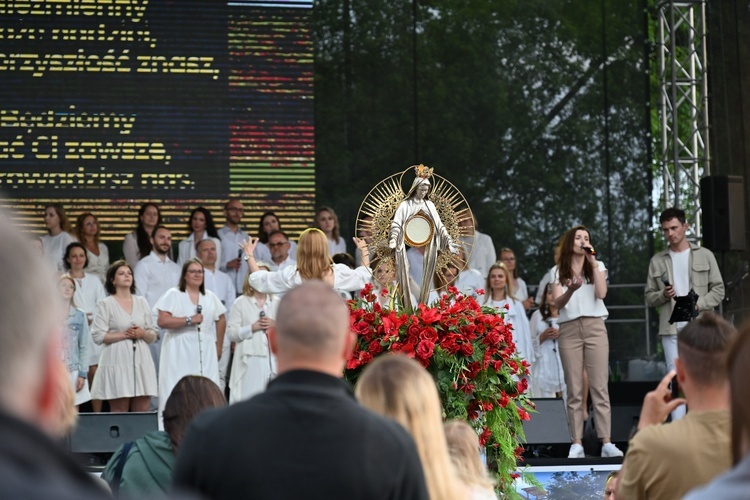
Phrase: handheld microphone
[588,250]
[665,279]
[262,315]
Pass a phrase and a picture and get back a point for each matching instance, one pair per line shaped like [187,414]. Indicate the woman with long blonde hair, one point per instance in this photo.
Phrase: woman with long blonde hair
[401,389]
[313,263]
[463,446]
[252,314]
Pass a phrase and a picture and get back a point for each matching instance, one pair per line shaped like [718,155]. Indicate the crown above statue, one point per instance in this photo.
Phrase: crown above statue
[422,171]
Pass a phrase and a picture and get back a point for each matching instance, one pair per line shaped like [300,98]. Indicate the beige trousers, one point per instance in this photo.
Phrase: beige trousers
[583,342]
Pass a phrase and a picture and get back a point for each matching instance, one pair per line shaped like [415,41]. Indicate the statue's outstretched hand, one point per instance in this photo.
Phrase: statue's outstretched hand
[453,248]
[392,243]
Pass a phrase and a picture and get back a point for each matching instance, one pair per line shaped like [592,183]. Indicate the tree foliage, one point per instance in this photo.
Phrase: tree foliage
[537,111]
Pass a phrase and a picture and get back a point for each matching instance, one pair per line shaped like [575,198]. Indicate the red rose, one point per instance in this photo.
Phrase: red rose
[504,400]
[467,349]
[383,292]
[485,436]
[523,414]
[414,330]
[366,290]
[449,344]
[425,349]
[369,317]
[375,348]
[430,334]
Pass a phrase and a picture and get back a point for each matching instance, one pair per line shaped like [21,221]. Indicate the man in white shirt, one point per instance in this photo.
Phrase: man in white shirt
[232,236]
[220,284]
[155,274]
[673,273]
[278,244]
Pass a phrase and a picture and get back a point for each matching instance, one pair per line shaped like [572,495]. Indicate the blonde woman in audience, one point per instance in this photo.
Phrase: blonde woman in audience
[399,388]
[463,446]
[88,231]
[58,235]
[327,221]
[254,365]
[75,341]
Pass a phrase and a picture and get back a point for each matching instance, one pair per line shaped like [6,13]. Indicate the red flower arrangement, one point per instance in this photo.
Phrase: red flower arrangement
[469,350]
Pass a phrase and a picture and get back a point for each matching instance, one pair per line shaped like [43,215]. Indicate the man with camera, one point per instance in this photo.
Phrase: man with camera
[683,280]
[667,461]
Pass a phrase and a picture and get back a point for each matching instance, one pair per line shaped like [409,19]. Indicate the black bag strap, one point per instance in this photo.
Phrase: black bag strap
[120,466]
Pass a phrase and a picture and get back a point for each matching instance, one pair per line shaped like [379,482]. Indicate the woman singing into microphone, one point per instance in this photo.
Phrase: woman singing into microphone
[578,289]
[193,320]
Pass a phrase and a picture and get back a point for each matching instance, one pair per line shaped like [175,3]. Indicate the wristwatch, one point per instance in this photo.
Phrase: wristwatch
[188,321]
[245,257]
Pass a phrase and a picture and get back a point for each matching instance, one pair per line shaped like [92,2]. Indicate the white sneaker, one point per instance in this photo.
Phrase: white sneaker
[576,451]
[609,450]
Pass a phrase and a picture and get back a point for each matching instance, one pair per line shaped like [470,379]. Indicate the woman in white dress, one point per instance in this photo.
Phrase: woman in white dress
[202,226]
[194,321]
[87,232]
[58,235]
[75,341]
[517,284]
[89,292]
[547,373]
[313,262]
[124,325]
[500,298]
[327,221]
[137,244]
[254,364]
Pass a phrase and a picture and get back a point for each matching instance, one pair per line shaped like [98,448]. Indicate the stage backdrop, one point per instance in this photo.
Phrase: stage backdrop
[105,105]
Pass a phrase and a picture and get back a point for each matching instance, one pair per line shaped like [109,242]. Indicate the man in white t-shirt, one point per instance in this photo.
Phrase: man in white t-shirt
[673,273]
[220,284]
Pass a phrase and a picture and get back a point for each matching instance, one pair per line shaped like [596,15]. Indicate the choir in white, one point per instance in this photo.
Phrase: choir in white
[160,317]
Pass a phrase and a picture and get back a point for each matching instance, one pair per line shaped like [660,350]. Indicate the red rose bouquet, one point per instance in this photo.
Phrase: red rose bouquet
[469,350]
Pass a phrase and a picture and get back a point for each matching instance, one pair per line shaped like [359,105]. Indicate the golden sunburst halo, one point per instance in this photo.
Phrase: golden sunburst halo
[379,206]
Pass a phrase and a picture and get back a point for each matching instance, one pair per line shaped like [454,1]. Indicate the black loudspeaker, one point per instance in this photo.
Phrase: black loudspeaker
[624,422]
[723,206]
[105,432]
[549,424]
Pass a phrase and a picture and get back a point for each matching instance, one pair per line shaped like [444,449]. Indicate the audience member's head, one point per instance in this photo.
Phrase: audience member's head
[463,447]
[29,338]
[401,389]
[192,395]
[312,330]
[701,348]
[738,369]
[610,486]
